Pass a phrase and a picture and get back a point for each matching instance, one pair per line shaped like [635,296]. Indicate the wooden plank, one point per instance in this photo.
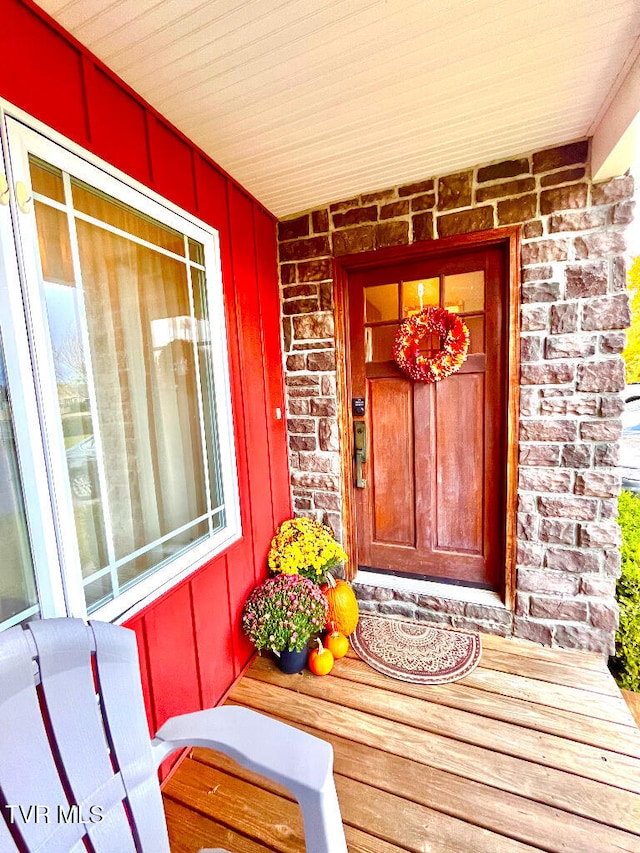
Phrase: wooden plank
[189,831]
[545,693]
[633,703]
[256,813]
[556,673]
[277,821]
[525,648]
[548,809]
[414,827]
[499,811]
[361,842]
[613,736]
[552,751]
[557,788]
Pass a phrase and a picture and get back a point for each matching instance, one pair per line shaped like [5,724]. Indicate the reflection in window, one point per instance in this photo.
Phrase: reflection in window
[476,333]
[46,179]
[378,342]
[54,245]
[417,295]
[65,333]
[381,303]
[113,212]
[18,597]
[464,292]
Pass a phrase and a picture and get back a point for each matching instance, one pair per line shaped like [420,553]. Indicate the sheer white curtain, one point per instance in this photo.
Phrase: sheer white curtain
[136,301]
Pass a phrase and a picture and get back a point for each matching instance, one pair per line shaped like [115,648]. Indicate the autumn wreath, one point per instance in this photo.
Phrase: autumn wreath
[448,359]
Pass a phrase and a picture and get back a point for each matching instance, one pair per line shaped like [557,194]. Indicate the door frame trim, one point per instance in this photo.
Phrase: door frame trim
[509,239]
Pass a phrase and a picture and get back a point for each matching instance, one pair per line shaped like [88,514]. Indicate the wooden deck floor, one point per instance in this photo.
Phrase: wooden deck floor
[534,750]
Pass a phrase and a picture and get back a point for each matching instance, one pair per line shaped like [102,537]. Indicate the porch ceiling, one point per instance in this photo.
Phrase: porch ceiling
[309,101]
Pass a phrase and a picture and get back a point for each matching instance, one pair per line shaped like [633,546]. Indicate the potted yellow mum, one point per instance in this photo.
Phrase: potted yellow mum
[302,546]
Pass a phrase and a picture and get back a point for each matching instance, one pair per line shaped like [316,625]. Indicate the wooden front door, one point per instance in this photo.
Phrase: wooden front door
[430,495]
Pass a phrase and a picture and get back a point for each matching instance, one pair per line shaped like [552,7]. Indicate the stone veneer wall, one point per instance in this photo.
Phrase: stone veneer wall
[574,310]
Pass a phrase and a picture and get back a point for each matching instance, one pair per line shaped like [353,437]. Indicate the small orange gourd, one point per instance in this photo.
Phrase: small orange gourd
[320,660]
[343,605]
[337,643]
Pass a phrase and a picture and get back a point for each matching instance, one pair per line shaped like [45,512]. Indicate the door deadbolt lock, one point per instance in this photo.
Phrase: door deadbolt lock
[360,447]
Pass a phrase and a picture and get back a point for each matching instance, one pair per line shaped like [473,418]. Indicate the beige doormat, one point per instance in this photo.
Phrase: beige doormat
[415,651]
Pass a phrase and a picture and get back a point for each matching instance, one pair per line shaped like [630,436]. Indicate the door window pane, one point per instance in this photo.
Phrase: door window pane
[378,342]
[381,303]
[417,295]
[476,333]
[18,596]
[464,292]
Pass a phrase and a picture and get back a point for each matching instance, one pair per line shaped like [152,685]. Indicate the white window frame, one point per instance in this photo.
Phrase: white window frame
[35,406]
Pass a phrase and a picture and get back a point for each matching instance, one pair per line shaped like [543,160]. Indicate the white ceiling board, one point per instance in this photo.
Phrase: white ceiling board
[309,101]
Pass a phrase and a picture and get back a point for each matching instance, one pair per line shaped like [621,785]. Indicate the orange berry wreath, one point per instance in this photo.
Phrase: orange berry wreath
[449,358]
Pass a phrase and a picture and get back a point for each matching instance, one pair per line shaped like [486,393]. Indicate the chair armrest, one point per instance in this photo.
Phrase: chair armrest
[299,761]
[293,758]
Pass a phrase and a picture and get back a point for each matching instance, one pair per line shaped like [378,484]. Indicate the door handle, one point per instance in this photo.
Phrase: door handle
[360,447]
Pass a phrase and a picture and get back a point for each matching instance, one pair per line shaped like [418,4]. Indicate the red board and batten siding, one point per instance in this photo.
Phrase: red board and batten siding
[191,646]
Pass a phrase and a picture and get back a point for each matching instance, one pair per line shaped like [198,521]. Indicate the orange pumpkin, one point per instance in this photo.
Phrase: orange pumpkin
[343,605]
[337,644]
[320,660]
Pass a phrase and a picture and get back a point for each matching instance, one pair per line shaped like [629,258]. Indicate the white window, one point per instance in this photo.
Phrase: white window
[117,470]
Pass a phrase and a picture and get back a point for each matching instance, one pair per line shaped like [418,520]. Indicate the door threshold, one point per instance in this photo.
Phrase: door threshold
[417,586]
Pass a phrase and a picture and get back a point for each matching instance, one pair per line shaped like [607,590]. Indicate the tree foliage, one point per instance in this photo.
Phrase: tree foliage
[626,662]
[631,352]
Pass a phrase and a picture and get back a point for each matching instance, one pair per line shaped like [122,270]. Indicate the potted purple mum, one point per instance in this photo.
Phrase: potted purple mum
[282,614]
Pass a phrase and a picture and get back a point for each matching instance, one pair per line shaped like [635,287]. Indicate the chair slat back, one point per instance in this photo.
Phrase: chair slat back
[118,673]
[7,844]
[85,759]
[29,777]
[68,687]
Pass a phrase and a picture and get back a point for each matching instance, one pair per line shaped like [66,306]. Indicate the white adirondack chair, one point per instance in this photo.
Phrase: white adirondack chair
[76,761]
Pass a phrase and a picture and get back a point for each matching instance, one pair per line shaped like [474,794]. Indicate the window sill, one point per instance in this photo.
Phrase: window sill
[163,581]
